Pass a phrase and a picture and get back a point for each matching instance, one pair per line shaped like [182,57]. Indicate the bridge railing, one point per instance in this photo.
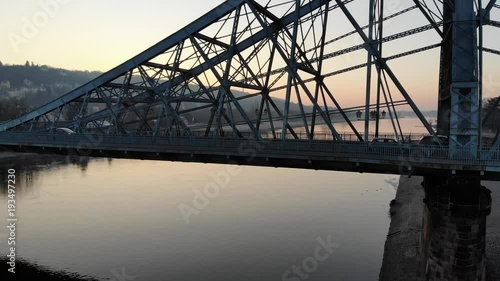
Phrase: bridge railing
[319,135]
[293,148]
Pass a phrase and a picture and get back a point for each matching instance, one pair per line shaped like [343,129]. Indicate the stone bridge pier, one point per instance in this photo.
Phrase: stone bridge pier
[454,228]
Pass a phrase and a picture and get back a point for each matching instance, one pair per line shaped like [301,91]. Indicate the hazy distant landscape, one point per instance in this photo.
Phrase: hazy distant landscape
[40,84]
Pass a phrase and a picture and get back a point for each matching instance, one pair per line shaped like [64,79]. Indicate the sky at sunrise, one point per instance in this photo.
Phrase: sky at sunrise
[99,35]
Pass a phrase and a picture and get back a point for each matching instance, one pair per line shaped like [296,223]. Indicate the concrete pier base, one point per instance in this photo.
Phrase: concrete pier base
[454,228]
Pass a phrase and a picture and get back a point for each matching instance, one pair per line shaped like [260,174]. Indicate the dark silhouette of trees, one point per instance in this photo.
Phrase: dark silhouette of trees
[13,107]
[491,111]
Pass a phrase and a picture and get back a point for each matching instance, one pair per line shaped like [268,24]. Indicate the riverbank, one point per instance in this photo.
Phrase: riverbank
[20,161]
[29,271]
[402,260]
[402,249]
[7,157]
[493,234]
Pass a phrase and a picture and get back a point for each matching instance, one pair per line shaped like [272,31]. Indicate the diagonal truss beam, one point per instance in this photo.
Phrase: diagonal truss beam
[222,10]
[293,72]
[486,12]
[384,66]
[191,30]
[434,24]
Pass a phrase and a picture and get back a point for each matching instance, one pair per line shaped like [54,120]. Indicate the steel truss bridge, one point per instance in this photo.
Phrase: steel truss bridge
[258,80]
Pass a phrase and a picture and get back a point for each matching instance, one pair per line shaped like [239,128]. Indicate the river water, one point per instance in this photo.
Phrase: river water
[149,220]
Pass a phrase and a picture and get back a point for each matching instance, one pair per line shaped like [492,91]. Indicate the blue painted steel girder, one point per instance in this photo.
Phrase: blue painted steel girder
[459,97]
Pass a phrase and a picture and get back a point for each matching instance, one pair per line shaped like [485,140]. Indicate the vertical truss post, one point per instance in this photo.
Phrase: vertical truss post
[292,69]
[380,36]
[225,79]
[459,108]
[369,69]
[319,77]
[480,70]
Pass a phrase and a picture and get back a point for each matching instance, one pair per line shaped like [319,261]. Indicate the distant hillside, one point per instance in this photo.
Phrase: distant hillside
[40,84]
[37,85]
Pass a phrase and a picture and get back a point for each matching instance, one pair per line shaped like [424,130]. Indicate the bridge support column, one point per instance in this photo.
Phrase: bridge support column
[454,228]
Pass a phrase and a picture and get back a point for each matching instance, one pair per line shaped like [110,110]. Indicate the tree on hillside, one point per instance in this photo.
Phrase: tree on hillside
[27,64]
[491,110]
[11,108]
[1,64]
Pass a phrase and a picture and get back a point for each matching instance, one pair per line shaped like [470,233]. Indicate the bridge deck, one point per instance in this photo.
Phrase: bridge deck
[310,154]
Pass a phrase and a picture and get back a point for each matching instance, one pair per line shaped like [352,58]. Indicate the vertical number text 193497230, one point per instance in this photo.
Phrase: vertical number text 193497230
[11,220]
